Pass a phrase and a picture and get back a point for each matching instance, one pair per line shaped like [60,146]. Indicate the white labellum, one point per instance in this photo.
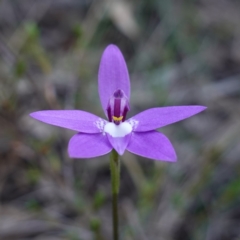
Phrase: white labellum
[120,130]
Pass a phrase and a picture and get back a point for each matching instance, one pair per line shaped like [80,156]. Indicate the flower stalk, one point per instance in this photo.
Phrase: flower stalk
[115,180]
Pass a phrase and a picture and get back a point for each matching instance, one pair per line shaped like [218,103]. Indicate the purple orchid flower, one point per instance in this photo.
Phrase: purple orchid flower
[97,136]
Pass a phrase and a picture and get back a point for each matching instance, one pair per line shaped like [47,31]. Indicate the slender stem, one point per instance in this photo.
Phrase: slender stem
[115,179]
[115,216]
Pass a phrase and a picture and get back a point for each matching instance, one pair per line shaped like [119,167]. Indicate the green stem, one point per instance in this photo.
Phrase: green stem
[115,179]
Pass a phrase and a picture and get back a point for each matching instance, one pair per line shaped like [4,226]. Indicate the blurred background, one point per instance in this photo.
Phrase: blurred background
[178,53]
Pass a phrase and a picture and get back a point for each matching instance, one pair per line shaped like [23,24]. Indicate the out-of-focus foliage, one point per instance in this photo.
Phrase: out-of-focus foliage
[178,53]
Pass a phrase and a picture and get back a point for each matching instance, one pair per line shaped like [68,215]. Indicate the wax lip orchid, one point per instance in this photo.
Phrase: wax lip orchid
[138,134]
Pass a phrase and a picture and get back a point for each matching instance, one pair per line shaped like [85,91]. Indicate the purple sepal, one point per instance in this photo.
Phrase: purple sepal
[153,145]
[159,117]
[72,119]
[84,145]
[113,75]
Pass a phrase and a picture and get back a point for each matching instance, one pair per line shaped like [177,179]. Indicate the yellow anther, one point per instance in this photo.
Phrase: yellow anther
[117,118]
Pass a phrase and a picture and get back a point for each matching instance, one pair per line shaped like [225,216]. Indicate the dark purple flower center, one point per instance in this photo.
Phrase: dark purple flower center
[118,107]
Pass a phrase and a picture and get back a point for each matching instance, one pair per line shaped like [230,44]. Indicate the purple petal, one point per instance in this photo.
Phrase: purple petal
[152,145]
[158,117]
[113,75]
[84,145]
[119,143]
[72,119]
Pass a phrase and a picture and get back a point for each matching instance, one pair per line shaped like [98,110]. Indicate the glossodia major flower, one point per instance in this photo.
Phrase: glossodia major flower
[97,136]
